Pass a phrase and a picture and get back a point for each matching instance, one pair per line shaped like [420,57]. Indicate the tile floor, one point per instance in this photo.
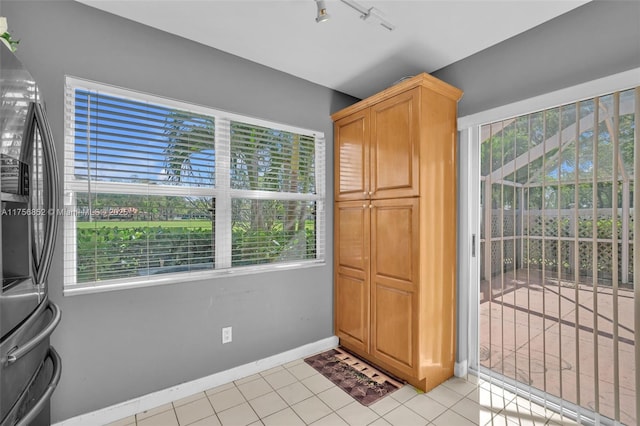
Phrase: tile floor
[296,394]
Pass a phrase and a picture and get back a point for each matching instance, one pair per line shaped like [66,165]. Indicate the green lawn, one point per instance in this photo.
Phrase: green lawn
[145,224]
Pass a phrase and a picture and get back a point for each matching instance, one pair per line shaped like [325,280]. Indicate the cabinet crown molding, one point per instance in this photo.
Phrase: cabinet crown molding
[423,79]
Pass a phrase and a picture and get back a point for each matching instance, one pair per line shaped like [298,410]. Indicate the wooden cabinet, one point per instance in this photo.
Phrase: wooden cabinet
[395,229]
[376,150]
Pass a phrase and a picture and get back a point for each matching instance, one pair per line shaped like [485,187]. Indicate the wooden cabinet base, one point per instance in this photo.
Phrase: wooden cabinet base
[433,376]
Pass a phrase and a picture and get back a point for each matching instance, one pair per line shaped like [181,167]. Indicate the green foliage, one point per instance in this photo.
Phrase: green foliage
[110,252]
[533,253]
[252,247]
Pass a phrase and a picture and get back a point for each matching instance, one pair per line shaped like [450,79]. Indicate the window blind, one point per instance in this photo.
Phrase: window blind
[155,187]
[271,160]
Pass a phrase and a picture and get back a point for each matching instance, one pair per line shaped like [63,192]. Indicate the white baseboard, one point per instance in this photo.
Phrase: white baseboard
[461,369]
[146,402]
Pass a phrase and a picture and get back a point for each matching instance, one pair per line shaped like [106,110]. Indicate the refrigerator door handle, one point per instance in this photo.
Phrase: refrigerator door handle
[51,201]
[46,396]
[18,352]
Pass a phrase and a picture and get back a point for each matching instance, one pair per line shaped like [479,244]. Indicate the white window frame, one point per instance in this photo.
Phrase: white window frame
[222,192]
[469,205]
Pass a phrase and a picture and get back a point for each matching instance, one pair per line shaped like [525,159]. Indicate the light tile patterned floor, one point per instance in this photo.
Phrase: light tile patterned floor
[296,394]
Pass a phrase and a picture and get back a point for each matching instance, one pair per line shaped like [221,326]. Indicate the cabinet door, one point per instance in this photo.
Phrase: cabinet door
[394,281]
[352,290]
[352,157]
[395,146]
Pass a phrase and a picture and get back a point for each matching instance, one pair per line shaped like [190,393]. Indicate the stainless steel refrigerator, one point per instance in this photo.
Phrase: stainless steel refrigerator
[29,367]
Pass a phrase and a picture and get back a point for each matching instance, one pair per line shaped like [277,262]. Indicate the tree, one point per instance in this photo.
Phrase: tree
[188,136]
[261,159]
[559,167]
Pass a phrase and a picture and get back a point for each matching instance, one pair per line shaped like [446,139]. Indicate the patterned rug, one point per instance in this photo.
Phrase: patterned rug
[364,383]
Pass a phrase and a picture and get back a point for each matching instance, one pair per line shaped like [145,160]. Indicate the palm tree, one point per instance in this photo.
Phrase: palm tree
[187,135]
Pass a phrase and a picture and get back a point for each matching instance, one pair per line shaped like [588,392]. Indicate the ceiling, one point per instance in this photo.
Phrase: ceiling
[344,53]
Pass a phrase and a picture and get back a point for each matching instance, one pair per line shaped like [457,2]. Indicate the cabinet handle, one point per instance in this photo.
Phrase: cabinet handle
[364,193]
[364,206]
[370,206]
[370,192]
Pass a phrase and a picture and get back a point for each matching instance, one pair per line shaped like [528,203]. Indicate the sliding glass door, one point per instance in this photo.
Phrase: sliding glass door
[556,300]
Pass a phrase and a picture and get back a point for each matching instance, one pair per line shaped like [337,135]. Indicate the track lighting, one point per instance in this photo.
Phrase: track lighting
[371,14]
[322,11]
[374,16]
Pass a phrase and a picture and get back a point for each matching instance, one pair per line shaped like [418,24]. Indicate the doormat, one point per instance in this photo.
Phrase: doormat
[363,382]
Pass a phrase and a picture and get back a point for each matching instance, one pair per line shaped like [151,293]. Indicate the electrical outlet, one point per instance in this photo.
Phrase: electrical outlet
[226,335]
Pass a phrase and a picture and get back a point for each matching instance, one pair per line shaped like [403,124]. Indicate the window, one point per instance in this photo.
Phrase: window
[158,190]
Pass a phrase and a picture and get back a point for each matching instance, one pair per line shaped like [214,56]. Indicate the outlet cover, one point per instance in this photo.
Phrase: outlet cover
[226,335]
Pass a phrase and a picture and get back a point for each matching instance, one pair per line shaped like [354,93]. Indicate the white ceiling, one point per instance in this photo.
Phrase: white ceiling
[344,53]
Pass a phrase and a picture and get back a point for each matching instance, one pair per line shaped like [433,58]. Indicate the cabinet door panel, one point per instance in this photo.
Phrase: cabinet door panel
[395,146]
[394,281]
[352,157]
[352,311]
[394,338]
[394,239]
[351,238]
[352,285]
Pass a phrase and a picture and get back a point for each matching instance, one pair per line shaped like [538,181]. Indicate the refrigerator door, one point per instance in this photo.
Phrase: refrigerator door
[43,189]
[28,221]
[20,294]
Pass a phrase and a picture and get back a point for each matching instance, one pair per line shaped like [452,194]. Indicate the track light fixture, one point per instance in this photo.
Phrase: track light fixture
[322,11]
[367,14]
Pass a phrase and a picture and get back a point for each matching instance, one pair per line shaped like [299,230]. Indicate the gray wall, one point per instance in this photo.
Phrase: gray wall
[119,345]
[595,40]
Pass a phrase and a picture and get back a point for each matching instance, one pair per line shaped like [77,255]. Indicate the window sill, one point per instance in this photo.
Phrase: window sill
[90,288]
